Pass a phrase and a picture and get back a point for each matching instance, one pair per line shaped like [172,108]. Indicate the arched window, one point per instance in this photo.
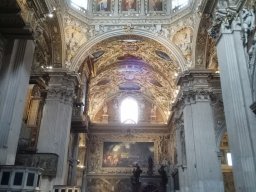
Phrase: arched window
[178,4]
[229,159]
[79,3]
[129,111]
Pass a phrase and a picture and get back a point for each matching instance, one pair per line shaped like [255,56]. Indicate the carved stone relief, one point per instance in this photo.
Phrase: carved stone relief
[229,15]
[183,39]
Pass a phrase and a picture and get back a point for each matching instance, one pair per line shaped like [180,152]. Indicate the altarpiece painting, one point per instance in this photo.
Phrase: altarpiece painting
[127,154]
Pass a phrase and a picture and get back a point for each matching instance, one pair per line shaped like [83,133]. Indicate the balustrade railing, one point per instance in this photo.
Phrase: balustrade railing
[19,178]
[63,188]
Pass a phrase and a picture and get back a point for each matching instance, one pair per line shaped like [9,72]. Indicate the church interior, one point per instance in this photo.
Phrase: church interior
[127,95]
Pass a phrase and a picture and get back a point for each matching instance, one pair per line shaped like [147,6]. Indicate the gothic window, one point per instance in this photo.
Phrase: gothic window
[178,4]
[129,111]
[79,3]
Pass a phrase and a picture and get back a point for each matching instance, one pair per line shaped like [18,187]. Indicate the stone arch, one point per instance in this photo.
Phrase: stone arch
[220,133]
[83,51]
[201,38]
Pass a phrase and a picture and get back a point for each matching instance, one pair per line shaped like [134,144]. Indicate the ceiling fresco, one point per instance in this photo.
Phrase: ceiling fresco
[132,66]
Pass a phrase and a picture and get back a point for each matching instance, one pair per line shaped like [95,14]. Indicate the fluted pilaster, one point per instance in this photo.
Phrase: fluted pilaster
[14,79]
[201,169]
[233,29]
[56,121]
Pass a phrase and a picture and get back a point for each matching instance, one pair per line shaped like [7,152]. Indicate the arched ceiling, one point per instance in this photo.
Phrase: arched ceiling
[136,66]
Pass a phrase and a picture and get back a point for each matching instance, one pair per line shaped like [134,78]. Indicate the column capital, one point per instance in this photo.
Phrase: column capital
[197,86]
[61,86]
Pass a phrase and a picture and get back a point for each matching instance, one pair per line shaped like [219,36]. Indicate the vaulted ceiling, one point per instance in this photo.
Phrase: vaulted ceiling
[122,52]
[132,66]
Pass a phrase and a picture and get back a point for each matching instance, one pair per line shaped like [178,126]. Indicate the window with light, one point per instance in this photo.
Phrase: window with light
[129,111]
[178,4]
[79,4]
[229,159]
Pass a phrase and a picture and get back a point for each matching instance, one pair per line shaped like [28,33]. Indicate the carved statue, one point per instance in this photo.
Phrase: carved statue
[150,166]
[163,174]
[248,18]
[136,174]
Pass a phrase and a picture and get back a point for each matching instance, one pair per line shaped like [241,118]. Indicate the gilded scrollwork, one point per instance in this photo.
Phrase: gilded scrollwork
[121,54]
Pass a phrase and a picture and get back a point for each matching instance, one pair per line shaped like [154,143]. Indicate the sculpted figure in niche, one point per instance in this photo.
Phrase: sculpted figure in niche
[150,166]
[163,174]
[248,18]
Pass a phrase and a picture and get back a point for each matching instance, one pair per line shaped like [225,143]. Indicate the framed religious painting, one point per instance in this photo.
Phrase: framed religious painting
[103,5]
[155,5]
[129,5]
[126,154]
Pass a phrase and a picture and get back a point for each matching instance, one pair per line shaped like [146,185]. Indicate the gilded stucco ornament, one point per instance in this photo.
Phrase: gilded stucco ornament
[76,34]
[137,70]
[183,39]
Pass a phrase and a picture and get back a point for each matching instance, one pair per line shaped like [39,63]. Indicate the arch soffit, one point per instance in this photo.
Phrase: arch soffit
[83,52]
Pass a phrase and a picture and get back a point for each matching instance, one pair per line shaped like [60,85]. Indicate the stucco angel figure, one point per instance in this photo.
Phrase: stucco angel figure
[248,25]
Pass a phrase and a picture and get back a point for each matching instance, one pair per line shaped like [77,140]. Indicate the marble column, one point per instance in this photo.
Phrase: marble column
[14,80]
[201,166]
[55,124]
[237,97]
